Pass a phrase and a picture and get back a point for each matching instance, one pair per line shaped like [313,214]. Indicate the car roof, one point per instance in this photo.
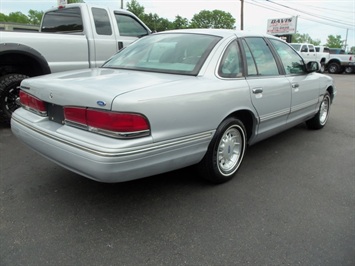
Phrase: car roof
[225,33]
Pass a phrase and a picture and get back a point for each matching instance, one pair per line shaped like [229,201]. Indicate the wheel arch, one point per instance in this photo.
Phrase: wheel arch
[323,60]
[330,89]
[334,60]
[22,59]
[248,119]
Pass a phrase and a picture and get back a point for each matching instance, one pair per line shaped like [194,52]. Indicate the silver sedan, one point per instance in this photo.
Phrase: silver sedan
[171,100]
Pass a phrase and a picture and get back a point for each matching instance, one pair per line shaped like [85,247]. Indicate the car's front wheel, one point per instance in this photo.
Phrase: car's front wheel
[320,119]
[225,152]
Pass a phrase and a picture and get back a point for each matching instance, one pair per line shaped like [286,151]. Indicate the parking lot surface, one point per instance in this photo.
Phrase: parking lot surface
[291,203]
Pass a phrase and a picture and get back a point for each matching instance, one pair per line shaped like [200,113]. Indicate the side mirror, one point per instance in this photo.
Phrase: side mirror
[312,66]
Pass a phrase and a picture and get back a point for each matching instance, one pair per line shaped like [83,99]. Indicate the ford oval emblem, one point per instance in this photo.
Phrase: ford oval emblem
[101,103]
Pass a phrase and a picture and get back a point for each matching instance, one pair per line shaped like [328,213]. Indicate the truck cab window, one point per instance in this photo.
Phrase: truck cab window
[129,26]
[102,21]
[304,49]
[63,20]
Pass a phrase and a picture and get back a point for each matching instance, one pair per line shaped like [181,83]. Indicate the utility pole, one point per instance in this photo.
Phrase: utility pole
[241,14]
[346,40]
[121,4]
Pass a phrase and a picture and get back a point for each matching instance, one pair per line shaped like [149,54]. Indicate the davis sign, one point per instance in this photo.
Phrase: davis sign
[282,26]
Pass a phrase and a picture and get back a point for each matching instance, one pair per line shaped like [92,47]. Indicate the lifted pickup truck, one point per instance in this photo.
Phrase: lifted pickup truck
[340,62]
[74,36]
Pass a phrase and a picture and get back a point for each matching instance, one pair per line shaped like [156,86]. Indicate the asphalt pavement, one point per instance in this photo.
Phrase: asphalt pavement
[291,203]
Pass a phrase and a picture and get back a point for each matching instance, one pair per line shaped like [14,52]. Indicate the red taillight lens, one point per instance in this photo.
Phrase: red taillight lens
[122,122]
[113,124]
[32,103]
[75,114]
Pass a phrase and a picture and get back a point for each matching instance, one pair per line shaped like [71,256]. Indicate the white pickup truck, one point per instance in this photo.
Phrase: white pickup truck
[74,36]
[309,53]
[340,62]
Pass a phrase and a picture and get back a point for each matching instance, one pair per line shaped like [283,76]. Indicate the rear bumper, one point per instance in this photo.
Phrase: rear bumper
[117,164]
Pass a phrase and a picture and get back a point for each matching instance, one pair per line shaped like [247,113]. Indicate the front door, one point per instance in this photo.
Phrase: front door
[270,92]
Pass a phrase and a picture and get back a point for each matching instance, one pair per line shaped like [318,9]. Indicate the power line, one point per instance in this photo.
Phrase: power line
[327,19]
[312,17]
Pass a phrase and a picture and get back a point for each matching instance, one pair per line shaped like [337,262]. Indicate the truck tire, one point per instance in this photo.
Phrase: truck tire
[334,68]
[349,70]
[9,91]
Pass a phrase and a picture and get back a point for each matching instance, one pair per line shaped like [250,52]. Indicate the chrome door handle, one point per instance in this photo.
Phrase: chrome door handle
[257,90]
[295,85]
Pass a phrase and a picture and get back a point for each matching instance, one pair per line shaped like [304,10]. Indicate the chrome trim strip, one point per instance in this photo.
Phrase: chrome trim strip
[303,105]
[274,115]
[147,148]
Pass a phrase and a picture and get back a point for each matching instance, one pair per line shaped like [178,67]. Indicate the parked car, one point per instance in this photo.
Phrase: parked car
[170,100]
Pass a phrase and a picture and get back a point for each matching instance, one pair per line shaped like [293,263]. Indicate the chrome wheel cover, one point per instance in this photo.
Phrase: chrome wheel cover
[230,150]
[324,110]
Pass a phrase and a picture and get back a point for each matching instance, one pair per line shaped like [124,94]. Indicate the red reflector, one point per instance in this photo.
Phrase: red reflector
[32,102]
[75,114]
[120,122]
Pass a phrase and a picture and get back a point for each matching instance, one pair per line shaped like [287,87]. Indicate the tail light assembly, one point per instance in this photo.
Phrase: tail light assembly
[33,104]
[112,124]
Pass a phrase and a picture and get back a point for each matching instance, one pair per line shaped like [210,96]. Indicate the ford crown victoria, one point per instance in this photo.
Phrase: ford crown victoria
[171,100]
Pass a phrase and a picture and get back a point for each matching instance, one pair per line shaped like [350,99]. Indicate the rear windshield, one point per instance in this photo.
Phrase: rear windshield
[177,53]
[63,20]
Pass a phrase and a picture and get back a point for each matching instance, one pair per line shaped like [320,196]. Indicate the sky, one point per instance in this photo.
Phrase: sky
[317,18]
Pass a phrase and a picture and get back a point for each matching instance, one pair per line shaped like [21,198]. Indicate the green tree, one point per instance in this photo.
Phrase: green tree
[136,9]
[35,17]
[17,17]
[215,19]
[156,23]
[3,17]
[304,38]
[334,41]
[352,50]
[180,23]
[75,1]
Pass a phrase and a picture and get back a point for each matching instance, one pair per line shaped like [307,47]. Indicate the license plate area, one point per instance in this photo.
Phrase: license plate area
[55,113]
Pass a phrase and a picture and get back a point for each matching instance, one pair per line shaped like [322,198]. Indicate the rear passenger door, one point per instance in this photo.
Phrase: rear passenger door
[270,91]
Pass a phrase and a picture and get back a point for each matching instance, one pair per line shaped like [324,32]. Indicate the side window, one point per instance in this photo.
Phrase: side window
[129,26]
[304,49]
[66,20]
[263,58]
[311,48]
[251,67]
[230,66]
[291,60]
[102,21]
